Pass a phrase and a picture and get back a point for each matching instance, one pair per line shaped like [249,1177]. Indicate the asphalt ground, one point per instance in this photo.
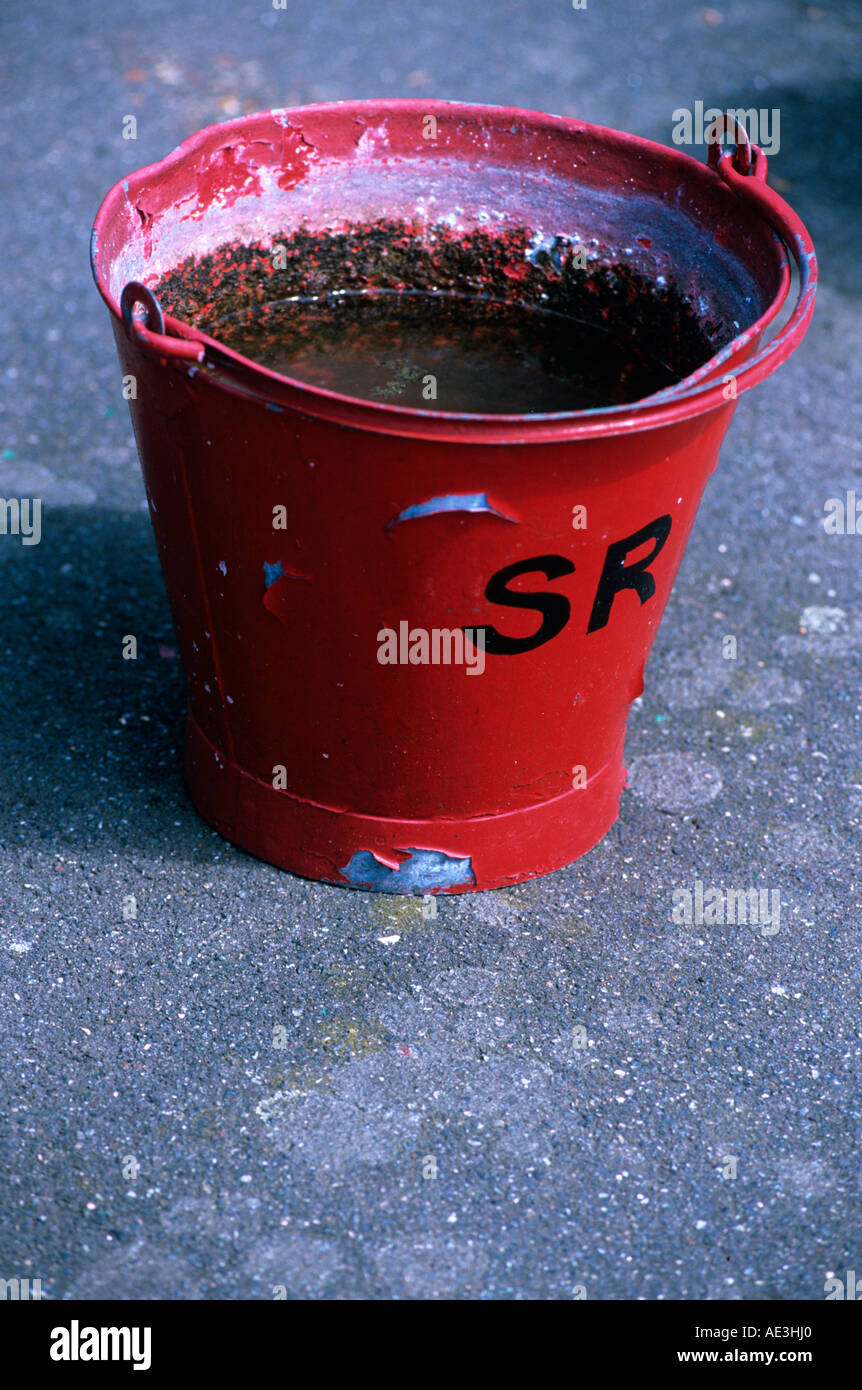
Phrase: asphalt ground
[544,1090]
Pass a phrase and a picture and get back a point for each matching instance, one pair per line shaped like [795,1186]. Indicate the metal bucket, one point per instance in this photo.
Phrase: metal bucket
[297,526]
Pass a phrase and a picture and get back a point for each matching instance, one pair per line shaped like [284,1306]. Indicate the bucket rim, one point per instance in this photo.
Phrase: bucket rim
[695,394]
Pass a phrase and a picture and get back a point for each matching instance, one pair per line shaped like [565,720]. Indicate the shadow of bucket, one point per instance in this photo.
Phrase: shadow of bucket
[411,637]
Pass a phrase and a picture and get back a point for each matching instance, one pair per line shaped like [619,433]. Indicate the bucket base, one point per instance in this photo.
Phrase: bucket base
[398,856]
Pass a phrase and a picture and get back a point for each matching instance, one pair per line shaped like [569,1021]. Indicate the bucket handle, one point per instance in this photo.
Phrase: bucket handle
[150,329]
[743,170]
[742,158]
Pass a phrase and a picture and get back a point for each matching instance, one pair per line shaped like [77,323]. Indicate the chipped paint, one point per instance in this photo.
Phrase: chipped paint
[425,871]
[451,502]
[280,594]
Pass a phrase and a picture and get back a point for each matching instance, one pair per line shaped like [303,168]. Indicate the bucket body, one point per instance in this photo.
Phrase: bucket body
[411,639]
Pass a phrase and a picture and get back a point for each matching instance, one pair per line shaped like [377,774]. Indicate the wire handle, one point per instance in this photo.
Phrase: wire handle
[151,328]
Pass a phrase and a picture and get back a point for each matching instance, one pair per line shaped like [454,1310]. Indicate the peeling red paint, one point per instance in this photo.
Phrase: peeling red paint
[296,153]
[224,175]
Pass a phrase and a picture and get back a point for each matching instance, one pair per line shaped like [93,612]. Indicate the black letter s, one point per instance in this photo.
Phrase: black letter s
[555,608]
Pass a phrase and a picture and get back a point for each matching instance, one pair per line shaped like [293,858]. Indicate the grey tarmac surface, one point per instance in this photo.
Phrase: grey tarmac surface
[542,1089]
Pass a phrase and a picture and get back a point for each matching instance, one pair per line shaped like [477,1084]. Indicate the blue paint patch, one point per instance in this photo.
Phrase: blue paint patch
[424,871]
[272,573]
[452,502]
[94,253]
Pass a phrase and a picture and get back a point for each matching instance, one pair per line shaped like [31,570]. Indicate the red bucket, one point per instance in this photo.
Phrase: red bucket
[412,637]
